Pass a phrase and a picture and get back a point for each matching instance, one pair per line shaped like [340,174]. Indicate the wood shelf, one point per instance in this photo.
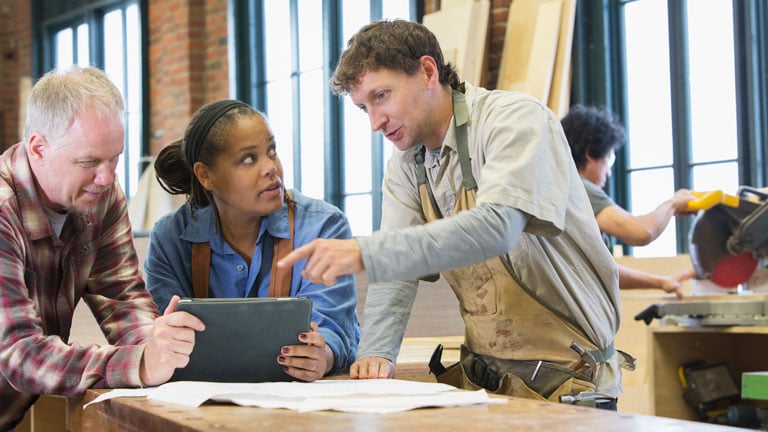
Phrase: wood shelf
[741,348]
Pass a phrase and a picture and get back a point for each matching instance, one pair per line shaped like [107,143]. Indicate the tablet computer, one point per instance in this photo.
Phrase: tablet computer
[243,337]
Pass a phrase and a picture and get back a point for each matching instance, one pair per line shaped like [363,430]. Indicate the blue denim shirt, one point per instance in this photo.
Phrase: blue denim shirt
[334,308]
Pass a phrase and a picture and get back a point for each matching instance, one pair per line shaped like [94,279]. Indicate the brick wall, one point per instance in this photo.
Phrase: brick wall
[15,62]
[187,60]
[497,26]
[187,63]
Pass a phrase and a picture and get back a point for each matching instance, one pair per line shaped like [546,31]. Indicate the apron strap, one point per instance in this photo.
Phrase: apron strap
[425,192]
[468,182]
[460,119]
[280,282]
[201,262]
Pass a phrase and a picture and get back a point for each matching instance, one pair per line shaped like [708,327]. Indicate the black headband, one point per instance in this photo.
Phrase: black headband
[196,134]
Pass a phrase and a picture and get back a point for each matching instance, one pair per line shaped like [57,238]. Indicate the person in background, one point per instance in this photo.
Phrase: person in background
[594,135]
[240,211]
[65,236]
[481,189]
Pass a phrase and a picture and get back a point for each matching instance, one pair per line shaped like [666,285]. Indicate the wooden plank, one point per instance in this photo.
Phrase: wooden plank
[530,47]
[49,414]
[415,352]
[420,349]
[517,43]
[461,27]
[544,50]
[477,47]
[560,92]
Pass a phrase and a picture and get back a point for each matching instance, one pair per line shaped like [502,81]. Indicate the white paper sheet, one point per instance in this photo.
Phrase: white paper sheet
[362,396]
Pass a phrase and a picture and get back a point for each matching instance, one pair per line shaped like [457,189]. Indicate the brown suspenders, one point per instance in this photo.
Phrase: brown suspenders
[201,264]
[280,282]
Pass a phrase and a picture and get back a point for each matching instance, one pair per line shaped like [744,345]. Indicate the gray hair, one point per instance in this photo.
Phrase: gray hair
[62,94]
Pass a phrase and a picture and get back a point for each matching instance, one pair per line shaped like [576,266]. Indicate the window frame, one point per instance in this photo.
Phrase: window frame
[248,78]
[50,16]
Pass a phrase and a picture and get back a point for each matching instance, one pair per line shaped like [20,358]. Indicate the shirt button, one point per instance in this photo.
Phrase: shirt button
[240,267]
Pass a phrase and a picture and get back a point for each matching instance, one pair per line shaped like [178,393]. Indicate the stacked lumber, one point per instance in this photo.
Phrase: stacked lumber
[461,27]
[537,51]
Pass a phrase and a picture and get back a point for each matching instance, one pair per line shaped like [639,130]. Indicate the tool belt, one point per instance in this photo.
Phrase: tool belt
[532,379]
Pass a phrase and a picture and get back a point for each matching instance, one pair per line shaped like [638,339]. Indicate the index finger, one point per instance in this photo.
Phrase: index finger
[297,255]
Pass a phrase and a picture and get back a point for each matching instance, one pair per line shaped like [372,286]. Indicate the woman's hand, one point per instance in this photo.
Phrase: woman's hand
[308,362]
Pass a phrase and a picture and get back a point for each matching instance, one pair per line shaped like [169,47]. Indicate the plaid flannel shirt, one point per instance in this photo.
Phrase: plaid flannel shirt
[41,280]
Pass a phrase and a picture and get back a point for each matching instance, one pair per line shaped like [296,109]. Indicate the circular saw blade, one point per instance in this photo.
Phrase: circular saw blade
[734,270]
[708,246]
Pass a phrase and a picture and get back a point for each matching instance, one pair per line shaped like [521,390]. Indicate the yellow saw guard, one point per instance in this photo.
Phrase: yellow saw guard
[707,200]
[729,235]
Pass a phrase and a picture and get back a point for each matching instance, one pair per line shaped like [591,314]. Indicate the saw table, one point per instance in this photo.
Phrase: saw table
[739,311]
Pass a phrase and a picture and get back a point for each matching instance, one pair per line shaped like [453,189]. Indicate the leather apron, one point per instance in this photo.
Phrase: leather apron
[509,335]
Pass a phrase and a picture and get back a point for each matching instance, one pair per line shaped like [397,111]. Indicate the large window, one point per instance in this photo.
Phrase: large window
[285,52]
[689,79]
[684,105]
[106,36]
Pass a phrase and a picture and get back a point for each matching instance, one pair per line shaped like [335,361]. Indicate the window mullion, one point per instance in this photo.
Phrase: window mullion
[295,95]
[248,68]
[334,122]
[681,114]
[749,35]
[761,53]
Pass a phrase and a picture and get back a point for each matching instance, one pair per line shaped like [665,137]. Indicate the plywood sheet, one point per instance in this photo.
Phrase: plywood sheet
[543,50]
[560,91]
[25,86]
[461,27]
[530,47]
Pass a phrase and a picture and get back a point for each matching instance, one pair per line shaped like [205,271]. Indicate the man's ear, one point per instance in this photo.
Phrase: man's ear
[429,66]
[203,175]
[37,147]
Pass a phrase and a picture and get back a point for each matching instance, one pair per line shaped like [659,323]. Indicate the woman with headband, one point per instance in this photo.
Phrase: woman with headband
[238,220]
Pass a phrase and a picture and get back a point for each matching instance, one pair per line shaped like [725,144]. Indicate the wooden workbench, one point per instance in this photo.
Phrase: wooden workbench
[141,414]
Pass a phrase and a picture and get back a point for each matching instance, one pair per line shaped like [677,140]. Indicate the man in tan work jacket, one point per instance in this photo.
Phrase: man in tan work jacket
[484,191]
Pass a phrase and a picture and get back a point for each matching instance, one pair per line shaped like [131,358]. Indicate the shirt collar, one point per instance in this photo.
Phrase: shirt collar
[201,228]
